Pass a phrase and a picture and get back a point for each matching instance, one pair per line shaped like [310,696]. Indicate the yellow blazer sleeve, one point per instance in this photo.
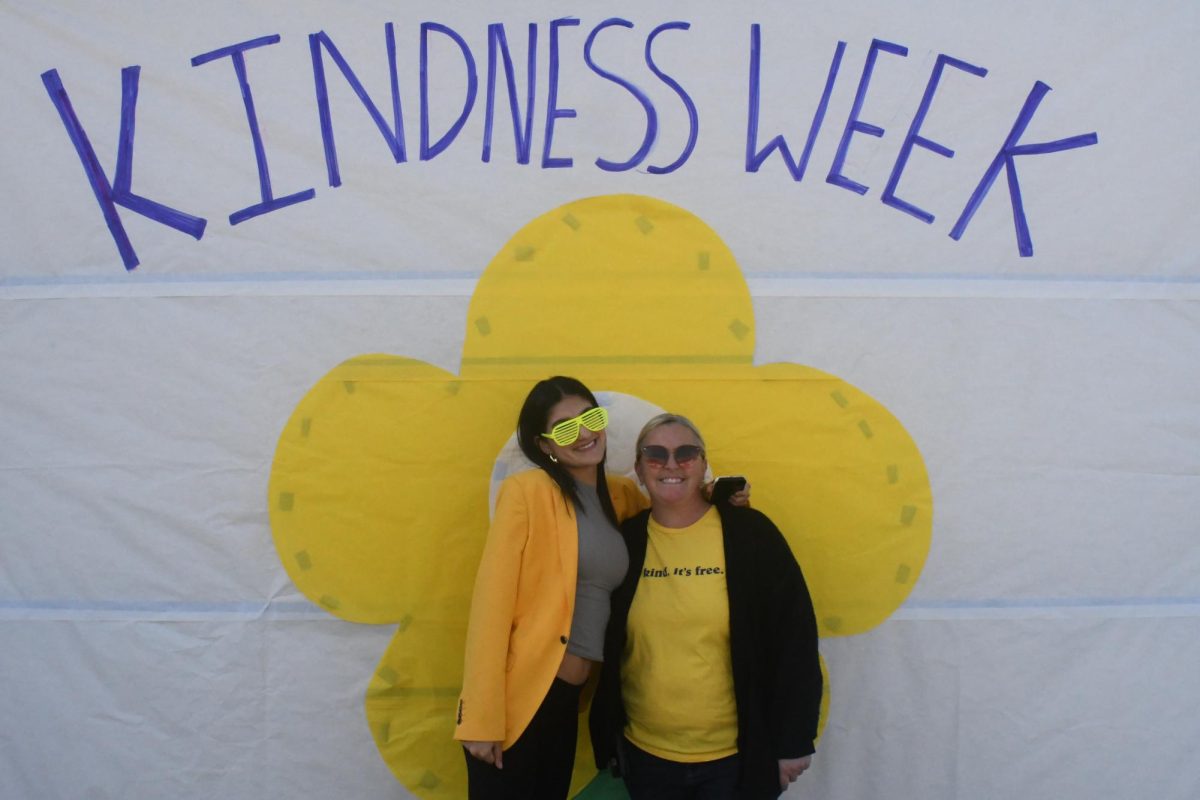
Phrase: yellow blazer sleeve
[481,712]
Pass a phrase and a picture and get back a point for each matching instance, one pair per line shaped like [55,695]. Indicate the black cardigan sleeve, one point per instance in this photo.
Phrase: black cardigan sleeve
[796,683]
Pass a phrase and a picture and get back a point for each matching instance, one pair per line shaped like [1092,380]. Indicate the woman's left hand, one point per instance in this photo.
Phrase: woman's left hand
[739,498]
[792,768]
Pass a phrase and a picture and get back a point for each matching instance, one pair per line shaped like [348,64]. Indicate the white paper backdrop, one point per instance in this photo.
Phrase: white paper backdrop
[151,644]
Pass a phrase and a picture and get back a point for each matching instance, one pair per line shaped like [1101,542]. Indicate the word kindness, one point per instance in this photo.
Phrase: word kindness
[118,190]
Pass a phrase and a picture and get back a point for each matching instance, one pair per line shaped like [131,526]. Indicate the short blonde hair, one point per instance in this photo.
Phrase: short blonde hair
[666,419]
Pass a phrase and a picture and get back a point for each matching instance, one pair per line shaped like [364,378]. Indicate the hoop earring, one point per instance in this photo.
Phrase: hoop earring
[552,458]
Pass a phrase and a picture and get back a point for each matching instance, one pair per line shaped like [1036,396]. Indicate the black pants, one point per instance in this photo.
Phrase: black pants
[539,764]
[648,777]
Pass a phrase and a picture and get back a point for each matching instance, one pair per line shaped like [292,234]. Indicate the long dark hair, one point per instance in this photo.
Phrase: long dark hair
[531,424]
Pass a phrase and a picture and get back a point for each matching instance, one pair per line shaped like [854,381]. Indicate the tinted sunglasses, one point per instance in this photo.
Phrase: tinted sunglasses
[567,431]
[656,455]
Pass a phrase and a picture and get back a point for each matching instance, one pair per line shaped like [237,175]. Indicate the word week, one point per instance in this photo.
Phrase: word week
[118,190]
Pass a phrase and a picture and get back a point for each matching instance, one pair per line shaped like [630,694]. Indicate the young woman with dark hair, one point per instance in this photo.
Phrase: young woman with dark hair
[553,556]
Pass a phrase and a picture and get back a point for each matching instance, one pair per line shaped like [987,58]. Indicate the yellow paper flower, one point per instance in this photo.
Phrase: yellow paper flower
[379,488]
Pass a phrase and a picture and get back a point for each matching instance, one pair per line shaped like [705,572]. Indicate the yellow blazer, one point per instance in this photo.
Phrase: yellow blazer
[523,603]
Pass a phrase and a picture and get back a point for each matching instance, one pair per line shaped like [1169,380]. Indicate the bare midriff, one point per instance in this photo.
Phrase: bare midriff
[574,669]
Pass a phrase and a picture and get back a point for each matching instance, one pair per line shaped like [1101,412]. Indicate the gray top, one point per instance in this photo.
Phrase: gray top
[602,564]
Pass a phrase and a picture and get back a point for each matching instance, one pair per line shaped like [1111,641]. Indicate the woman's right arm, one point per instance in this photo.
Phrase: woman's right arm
[481,712]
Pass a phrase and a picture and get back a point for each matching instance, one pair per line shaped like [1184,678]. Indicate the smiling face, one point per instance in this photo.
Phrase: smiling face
[672,485]
[581,457]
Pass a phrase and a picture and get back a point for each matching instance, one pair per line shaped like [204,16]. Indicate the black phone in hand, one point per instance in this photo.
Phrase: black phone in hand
[726,487]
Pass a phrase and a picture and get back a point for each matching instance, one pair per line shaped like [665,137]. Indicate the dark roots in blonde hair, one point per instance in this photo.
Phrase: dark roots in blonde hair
[667,419]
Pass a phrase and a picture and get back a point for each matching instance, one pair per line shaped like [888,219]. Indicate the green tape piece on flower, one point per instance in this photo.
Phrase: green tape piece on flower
[865,428]
[571,222]
[840,399]
[702,261]
[907,515]
[483,326]
[893,473]
[525,253]
[304,560]
[286,501]
[644,225]
[903,573]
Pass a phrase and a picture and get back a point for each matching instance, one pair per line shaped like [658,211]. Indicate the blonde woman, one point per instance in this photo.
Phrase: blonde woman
[717,685]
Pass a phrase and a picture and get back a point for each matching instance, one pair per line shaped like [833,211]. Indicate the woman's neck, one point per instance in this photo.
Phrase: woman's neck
[584,475]
[679,515]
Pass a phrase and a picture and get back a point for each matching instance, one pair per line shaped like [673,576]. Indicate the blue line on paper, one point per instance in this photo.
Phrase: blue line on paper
[134,279]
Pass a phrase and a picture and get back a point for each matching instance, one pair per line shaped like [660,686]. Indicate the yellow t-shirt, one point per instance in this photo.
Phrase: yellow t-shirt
[676,673]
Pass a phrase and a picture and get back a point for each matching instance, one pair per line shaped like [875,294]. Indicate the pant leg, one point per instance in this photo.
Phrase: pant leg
[557,736]
[538,766]
[486,782]
[715,780]
[648,777]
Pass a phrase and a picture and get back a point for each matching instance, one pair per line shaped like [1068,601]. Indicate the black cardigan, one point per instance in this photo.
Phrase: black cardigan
[772,641]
